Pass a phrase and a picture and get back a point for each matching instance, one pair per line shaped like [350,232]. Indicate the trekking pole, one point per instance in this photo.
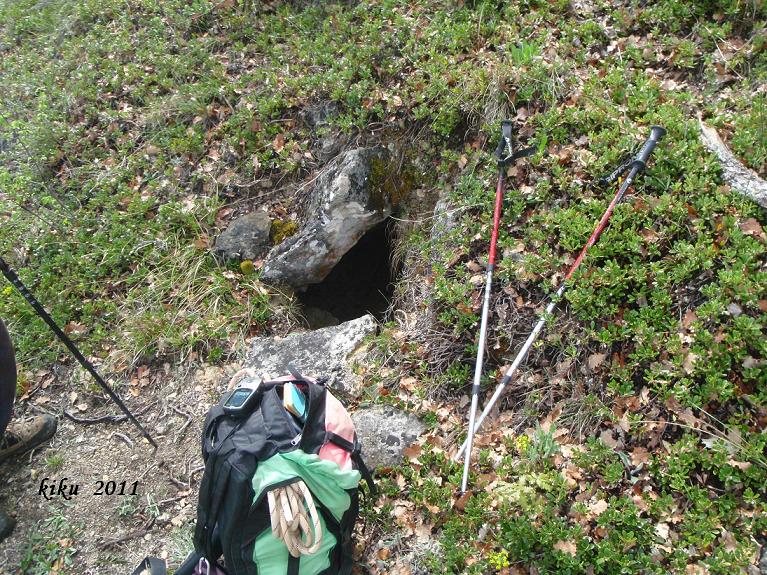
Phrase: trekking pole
[505,156]
[637,166]
[14,279]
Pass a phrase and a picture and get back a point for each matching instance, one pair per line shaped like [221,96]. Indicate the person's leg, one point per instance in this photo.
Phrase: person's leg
[20,436]
[7,395]
[7,378]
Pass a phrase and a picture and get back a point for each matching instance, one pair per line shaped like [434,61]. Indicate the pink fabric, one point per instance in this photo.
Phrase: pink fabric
[337,420]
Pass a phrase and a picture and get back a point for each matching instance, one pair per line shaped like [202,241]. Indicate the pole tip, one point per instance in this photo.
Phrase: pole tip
[657,132]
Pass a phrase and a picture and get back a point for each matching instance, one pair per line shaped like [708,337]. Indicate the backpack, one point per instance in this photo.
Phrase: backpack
[279,496]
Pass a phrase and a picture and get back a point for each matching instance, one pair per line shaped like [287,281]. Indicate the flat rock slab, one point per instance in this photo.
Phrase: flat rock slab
[385,432]
[328,351]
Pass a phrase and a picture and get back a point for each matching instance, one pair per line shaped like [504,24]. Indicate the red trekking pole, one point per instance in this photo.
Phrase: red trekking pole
[506,156]
[637,165]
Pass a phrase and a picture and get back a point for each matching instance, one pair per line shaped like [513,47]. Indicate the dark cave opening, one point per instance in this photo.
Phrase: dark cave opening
[361,282]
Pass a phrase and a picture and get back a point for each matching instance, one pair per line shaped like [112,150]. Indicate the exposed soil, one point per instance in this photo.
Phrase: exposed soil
[116,531]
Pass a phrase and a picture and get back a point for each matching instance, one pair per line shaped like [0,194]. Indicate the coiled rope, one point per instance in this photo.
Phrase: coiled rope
[290,509]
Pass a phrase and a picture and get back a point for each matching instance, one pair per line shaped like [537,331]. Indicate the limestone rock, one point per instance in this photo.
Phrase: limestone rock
[741,179]
[246,238]
[385,432]
[346,202]
[327,351]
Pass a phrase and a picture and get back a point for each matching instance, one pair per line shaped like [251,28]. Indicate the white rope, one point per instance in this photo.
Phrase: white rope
[290,509]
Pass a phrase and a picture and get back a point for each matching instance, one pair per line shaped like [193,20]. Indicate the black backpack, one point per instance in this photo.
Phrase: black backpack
[251,439]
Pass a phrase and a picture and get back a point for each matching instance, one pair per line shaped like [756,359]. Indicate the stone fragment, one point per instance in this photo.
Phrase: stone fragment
[347,201]
[385,432]
[246,238]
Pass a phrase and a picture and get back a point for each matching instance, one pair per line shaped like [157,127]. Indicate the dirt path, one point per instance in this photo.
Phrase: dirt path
[109,534]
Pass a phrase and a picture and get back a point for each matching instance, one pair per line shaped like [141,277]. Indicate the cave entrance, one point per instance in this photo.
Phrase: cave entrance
[361,282]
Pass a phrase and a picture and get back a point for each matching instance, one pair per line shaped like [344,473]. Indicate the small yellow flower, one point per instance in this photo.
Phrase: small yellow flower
[522,443]
[499,560]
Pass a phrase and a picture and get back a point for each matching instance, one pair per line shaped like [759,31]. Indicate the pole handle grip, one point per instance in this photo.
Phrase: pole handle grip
[656,133]
[505,149]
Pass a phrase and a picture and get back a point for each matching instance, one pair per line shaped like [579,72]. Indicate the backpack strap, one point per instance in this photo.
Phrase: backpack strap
[189,564]
[355,449]
[212,492]
[213,486]
[151,566]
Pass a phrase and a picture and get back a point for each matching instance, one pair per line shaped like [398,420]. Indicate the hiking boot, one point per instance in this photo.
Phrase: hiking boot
[25,435]
[7,523]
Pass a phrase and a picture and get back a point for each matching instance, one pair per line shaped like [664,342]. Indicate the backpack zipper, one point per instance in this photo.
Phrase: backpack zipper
[296,440]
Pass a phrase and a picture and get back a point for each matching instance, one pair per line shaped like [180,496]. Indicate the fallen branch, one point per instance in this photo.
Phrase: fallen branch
[189,419]
[741,179]
[140,532]
[177,482]
[103,418]
[124,437]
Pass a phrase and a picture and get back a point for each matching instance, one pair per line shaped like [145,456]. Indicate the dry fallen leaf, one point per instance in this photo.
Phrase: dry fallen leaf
[412,452]
[608,439]
[598,507]
[751,227]
[474,266]
[279,143]
[639,456]
[662,531]
[596,359]
[568,547]
[689,362]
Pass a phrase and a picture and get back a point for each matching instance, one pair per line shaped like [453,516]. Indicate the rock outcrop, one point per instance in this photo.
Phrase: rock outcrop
[385,432]
[741,179]
[348,200]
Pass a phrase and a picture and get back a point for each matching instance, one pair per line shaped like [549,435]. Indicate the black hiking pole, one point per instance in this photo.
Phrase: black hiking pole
[637,165]
[14,279]
[506,156]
